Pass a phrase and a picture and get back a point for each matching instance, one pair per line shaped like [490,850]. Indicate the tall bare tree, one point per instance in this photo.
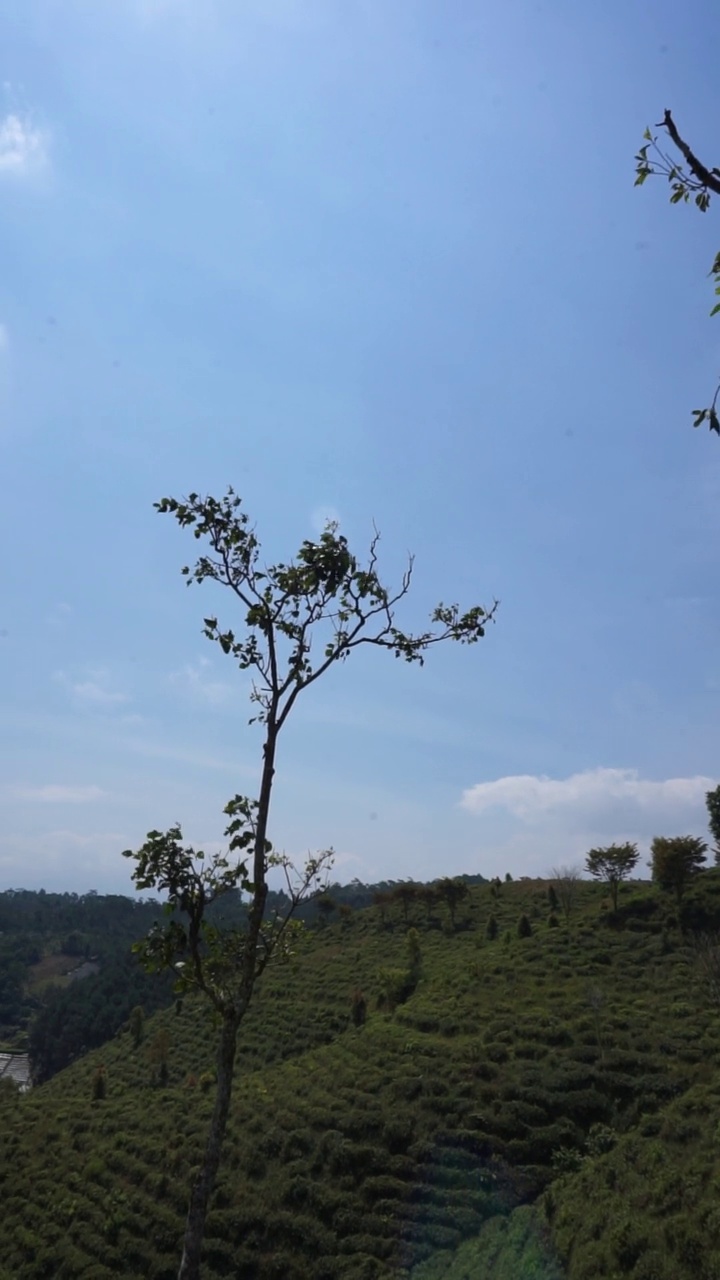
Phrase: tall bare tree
[297,620]
[565,882]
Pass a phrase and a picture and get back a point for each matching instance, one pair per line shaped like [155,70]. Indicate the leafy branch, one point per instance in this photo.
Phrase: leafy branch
[691,180]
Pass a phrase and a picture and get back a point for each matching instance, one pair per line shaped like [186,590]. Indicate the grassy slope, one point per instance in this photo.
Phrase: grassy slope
[367,1152]
[651,1207]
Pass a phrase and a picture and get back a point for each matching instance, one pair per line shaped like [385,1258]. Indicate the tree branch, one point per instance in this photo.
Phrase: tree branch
[709,178]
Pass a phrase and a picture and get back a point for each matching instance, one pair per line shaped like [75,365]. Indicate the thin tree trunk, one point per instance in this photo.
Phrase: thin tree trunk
[259,893]
[204,1183]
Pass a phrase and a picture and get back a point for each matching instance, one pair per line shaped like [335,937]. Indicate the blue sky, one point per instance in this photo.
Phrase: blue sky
[385,262]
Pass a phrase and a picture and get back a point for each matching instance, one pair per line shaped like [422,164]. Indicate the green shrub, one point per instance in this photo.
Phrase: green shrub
[358,1008]
[394,987]
[99,1084]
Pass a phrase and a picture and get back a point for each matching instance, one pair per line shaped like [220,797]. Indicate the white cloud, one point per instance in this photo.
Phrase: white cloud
[23,147]
[197,759]
[93,691]
[531,823]
[59,615]
[57,794]
[192,682]
[596,793]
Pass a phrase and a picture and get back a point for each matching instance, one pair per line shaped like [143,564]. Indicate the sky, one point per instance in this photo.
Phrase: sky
[379,263]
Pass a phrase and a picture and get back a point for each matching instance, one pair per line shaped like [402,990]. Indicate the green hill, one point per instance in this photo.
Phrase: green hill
[573,1070]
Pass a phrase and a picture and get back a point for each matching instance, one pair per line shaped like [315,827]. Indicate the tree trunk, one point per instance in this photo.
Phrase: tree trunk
[259,893]
[205,1181]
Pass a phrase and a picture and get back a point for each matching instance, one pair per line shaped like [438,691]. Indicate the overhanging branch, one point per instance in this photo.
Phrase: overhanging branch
[709,178]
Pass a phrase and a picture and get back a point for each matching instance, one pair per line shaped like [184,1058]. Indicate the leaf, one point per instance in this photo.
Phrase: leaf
[716,308]
[647,134]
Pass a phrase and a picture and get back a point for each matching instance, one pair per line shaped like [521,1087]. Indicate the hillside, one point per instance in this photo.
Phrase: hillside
[68,978]
[574,1070]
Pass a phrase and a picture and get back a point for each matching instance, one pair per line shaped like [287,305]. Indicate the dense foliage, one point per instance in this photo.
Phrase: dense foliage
[45,938]
[71,1020]
[514,1071]
[613,864]
[675,860]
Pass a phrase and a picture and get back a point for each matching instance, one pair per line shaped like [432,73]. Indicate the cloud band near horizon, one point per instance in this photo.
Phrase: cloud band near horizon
[532,798]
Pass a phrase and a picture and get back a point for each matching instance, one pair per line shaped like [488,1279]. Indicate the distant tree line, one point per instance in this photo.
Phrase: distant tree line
[59,1023]
[449,892]
[72,1020]
[56,915]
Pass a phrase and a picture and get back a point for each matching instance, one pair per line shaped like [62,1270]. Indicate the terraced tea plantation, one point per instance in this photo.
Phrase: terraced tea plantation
[538,1106]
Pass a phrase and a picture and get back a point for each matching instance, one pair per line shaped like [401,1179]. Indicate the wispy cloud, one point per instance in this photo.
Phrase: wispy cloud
[192,681]
[196,759]
[56,794]
[59,615]
[23,146]
[586,795]
[92,692]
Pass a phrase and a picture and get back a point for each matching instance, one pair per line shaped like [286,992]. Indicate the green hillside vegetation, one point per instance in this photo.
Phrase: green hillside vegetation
[513,1246]
[44,937]
[568,1072]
